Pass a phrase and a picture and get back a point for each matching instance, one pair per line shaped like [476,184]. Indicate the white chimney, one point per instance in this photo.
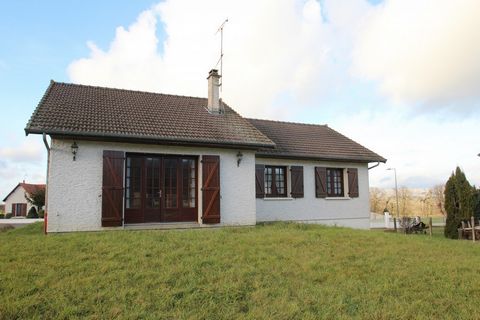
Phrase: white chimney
[213,91]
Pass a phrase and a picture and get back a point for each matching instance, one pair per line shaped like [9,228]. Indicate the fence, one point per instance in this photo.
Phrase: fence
[378,221]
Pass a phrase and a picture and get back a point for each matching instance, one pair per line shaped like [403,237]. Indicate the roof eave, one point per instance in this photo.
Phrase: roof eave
[13,190]
[149,139]
[318,158]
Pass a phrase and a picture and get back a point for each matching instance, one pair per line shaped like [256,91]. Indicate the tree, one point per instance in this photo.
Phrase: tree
[427,203]
[452,208]
[476,210]
[438,195]
[36,198]
[376,200]
[466,194]
[459,202]
[404,201]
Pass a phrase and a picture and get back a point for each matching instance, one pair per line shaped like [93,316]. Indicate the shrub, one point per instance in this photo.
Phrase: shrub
[41,213]
[32,213]
[2,216]
[8,216]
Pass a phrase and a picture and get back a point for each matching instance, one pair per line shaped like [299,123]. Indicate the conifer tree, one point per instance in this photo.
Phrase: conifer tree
[460,202]
[452,208]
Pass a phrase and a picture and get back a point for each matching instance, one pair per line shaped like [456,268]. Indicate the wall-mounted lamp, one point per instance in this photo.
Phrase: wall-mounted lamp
[74,148]
[239,158]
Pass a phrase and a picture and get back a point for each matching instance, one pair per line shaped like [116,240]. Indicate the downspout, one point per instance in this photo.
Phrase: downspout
[374,166]
[45,213]
[44,135]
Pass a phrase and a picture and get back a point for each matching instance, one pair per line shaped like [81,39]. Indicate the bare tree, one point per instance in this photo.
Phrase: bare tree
[404,200]
[438,197]
[427,203]
[377,196]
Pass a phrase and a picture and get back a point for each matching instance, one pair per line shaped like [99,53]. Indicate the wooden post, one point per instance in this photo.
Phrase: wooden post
[395,224]
[430,226]
[473,228]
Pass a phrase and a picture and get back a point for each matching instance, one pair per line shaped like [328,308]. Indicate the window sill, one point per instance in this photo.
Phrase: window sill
[338,198]
[278,198]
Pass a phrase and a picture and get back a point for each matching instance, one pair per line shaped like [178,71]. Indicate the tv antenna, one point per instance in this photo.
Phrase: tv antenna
[220,29]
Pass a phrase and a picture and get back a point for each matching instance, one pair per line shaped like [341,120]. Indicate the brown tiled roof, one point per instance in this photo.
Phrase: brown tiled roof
[79,110]
[28,187]
[298,140]
[32,188]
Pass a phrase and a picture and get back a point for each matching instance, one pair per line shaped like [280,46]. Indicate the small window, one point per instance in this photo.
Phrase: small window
[335,185]
[275,181]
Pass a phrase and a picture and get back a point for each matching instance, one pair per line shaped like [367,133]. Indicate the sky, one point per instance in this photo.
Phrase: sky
[401,77]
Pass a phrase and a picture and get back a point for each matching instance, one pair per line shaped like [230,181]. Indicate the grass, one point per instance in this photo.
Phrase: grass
[282,271]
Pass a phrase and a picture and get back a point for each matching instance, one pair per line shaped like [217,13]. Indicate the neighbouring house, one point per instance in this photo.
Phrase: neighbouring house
[2,208]
[131,159]
[16,202]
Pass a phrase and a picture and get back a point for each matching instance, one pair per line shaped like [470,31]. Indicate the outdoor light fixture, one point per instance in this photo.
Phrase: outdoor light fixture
[74,148]
[239,158]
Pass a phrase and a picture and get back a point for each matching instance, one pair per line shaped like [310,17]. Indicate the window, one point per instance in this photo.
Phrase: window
[335,185]
[133,188]
[275,181]
[171,167]
[189,183]
[19,209]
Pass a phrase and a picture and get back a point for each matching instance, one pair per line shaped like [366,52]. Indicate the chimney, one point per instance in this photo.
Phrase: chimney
[213,91]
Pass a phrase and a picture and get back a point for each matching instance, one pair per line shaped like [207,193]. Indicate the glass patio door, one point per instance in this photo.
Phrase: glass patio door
[160,189]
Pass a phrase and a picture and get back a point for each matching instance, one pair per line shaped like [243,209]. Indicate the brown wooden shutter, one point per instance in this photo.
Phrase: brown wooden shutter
[112,188]
[259,180]
[296,175]
[211,189]
[353,182]
[23,210]
[14,209]
[320,182]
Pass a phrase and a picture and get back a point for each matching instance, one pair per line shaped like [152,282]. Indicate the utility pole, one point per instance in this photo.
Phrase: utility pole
[396,190]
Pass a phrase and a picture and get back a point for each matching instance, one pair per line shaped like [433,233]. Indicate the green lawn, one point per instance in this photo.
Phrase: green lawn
[282,271]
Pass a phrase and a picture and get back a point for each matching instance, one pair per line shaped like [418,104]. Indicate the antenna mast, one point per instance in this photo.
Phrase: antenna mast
[220,29]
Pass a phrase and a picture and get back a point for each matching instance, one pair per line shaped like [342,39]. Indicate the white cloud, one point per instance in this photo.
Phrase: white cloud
[420,52]
[24,160]
[423,51]
[423,150]
[270,47]
[29,151]
[417,51]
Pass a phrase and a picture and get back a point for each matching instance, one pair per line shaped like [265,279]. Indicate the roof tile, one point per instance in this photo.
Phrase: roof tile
[299,140]
[71,109]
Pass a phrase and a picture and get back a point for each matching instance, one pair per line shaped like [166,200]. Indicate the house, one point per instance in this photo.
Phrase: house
[16,202]
[131,159]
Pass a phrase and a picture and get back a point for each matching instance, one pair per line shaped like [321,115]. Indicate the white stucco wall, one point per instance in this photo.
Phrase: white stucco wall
[75,187]
[349,212]
[18,196]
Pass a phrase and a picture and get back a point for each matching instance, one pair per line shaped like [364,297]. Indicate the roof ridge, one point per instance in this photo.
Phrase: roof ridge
[289,122]
[125,90]
[32,184]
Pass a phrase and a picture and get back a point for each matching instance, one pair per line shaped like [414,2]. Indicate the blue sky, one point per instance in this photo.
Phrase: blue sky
[345,63]
[39,41]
